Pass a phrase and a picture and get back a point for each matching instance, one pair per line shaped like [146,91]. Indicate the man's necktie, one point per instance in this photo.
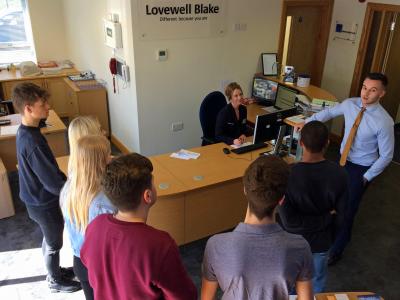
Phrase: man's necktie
[351,137]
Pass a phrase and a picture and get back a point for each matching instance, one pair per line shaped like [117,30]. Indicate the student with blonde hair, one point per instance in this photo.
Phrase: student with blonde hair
[81,126]
[82,198]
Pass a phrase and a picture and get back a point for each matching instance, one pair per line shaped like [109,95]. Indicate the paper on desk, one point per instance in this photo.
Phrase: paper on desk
[9,130]
[241,145]
[294,297]
[296,119]
[185,154]
[341,297]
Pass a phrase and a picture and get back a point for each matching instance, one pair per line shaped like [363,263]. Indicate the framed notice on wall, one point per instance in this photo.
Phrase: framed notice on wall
[269,64]
[177,19]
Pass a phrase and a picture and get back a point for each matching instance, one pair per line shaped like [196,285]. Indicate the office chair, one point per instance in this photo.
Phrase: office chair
[209,110]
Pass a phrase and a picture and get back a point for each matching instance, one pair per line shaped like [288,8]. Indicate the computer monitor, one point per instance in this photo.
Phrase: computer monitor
[285,97]
[267,126]
[264,90]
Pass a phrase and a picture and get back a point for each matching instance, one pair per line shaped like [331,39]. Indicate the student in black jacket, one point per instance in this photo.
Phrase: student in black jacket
[40,181]
[316,198]
[231,125]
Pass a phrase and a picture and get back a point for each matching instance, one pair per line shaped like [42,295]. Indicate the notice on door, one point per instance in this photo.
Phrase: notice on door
[177,19]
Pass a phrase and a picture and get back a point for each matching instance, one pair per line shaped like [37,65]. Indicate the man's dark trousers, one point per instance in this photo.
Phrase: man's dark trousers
[356,190]
[51,223]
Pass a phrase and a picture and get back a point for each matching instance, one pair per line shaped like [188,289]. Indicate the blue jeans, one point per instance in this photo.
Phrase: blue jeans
[320,271]
[51,223]
[356,190]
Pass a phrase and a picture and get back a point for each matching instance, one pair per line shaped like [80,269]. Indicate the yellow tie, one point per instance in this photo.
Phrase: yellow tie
[351,136]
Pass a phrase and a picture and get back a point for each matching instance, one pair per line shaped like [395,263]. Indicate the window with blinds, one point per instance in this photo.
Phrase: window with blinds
[16,43]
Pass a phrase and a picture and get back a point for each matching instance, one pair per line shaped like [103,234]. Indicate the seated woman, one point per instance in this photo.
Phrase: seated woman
[231,125]
[82,199]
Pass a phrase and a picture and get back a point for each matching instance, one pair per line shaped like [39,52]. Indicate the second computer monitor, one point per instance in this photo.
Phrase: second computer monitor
[267,126]
[285,97]
[264,90]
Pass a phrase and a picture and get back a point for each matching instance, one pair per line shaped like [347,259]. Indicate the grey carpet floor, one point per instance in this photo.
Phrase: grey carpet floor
[371,262]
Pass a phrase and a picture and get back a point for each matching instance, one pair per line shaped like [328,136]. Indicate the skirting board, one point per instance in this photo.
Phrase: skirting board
[119,145]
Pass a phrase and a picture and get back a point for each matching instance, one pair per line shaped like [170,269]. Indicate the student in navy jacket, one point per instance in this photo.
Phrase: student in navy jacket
[40,181]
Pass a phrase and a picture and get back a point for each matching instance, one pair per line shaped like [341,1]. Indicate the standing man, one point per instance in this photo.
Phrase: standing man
[315,199]
[40,182]
[367,146]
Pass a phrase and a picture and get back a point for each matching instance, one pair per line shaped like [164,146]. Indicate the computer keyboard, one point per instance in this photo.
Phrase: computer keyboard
[249,148]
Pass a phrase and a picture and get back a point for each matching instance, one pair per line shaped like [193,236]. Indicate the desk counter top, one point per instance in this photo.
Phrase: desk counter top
[16,75]
[311,91]
[55,124]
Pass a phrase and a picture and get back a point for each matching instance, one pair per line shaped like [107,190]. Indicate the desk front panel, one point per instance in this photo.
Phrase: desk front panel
[214,209]
[168,214]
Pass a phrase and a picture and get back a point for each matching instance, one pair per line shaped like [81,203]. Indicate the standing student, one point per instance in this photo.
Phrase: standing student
[82,198]
[125,257]
[315,199]
[81,126]
[231,124]
[259,260]
[40,182]
[367,146]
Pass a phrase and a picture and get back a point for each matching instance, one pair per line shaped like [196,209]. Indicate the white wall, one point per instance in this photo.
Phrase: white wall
[86,48]
[48,28]
[173,90]
[341,55]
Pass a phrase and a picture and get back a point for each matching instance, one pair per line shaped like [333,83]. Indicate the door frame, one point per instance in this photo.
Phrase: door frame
[327,6]
[365,35]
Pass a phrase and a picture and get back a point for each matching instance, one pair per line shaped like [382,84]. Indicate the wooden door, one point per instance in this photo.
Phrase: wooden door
[308,36]
[391,101]
[304,40]
[378,52]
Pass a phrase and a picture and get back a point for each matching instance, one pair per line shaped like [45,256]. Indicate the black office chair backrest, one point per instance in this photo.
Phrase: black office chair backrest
[209,110]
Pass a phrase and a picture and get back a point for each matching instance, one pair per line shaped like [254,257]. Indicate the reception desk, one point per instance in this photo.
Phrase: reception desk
[197,198]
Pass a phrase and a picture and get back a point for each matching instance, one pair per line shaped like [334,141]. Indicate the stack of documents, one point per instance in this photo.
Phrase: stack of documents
[185,154]
[320,104]
[9,130]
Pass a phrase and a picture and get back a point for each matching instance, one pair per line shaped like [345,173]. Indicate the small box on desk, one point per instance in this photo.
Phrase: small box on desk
[6,203]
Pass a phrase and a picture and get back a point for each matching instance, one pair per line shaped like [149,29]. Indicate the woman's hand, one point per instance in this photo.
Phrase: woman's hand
[242,138]
[237,142]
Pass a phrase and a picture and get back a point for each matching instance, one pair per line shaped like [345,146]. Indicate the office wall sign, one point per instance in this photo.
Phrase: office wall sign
[177,19]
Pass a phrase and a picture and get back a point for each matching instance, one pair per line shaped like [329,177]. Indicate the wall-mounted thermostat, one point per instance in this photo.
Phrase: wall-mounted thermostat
[162,54]
[113,34]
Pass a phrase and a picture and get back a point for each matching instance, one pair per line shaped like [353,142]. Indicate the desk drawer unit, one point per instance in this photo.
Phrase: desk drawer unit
[6,204]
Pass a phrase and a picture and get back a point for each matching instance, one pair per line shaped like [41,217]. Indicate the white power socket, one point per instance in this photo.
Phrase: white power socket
[177,126]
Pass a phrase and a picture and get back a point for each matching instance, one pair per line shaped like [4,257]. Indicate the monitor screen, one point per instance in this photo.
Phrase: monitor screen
[267,126]
[285,97]
[264,89]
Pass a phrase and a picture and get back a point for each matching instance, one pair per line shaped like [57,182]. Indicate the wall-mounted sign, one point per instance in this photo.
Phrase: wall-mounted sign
[175,19]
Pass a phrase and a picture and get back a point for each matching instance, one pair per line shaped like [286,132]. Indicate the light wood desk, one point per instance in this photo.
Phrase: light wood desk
[350,295]
[55,135]
[197,198]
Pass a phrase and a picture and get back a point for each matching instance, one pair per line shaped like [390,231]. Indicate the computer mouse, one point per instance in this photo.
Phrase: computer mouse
[226,150]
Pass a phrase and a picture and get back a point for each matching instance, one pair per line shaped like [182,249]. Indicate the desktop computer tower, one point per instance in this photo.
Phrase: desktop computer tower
[6,203]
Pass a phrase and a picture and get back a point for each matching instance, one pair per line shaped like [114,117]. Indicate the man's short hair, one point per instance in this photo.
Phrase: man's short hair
[125,180]
[315,136]
[27,93]
[378,76]
[265,183]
